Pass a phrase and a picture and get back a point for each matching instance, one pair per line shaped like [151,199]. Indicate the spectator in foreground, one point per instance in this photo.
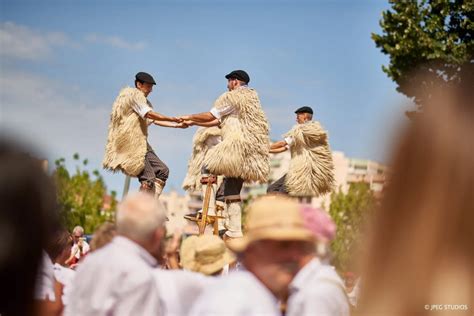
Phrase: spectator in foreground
[317,289]
[53,276]
[117,279]
[420,253]
[27,219]
[269,250]
[59,251]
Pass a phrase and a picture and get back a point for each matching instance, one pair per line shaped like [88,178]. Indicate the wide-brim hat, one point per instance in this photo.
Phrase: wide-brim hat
[273,218]
[206,254]
[187,251]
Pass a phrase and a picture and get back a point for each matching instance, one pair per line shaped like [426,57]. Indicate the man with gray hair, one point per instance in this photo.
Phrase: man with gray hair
[117,279]
[80,247]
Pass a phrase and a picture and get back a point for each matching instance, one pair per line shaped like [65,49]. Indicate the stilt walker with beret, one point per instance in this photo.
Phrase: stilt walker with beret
[243,154]
[127,148]
[311,170]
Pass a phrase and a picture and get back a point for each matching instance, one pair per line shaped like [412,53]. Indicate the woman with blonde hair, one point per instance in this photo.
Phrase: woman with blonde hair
[420,254]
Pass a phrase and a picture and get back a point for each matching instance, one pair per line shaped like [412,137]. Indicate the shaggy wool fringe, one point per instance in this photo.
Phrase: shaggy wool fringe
[127,138]
[192,180]
[244,150]
[311,171]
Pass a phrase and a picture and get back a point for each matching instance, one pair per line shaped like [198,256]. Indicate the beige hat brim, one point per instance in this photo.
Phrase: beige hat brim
[215,266]
[284,233]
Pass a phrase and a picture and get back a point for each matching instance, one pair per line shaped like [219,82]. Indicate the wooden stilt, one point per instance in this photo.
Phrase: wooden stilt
[205,207]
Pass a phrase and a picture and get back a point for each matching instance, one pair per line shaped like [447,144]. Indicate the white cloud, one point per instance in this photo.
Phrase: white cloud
[60,120]
[115,41]
[22,42]
[51,114]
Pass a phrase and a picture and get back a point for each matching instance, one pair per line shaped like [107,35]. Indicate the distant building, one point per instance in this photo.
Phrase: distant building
[351,170]
[346,171]
[176,206]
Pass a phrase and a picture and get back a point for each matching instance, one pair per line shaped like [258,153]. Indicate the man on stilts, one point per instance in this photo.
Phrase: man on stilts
[243,154]
[127,148]
[198,178]
[311,170]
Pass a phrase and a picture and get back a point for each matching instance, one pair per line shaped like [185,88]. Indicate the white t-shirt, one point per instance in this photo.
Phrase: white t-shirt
[115,280]
[64,276]
[317,290]
[237,294]
[179,289]
[45,280]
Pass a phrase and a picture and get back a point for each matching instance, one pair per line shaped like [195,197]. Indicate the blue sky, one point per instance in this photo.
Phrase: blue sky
[63,63]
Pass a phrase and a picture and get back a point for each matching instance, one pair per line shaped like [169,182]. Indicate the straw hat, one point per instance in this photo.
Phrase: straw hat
[273,217]
[206,254]
[187,251]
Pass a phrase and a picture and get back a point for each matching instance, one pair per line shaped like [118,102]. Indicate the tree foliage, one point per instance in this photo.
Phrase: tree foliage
[431,37]
[350,212]
[81,196]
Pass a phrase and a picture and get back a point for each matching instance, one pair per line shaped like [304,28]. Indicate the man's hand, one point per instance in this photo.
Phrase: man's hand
[182,125]
[189,123]
[177,119]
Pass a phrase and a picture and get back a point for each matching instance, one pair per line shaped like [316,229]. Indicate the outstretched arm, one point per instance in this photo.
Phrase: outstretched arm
[204,117]
[171,124]
[278,147]
[207,124]
[160,117]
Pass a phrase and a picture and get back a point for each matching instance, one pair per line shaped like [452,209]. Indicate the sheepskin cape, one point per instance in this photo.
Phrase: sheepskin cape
[311,171]
[244,150]
[196,162]
[127,139]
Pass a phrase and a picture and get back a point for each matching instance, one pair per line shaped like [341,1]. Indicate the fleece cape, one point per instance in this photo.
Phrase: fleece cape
[127,138]
[311,171]
[244,150]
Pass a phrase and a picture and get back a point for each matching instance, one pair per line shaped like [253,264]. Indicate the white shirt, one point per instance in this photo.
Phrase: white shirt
[317,290]
[44,289]
[229,109]
[64,276]
[219,113]
[289,140]
[179,289]
[141,108]
[238,294]
[75,249]
[115,280]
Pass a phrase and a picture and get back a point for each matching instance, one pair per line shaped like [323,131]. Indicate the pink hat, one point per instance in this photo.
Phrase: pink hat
[319,223]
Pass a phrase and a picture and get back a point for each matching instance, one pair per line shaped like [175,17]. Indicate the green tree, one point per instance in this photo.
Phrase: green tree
[429,42]
[81,196]
[350,212]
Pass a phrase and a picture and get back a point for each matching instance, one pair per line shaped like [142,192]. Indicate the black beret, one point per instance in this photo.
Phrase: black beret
[239,75]
[145,77]
[305,109]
